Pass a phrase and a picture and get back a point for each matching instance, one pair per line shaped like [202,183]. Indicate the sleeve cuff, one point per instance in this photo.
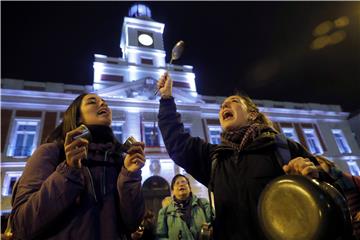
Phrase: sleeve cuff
[167,99]
[133,175]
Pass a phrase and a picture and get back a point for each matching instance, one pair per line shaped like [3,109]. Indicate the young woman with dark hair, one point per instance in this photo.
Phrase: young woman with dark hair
[78,188]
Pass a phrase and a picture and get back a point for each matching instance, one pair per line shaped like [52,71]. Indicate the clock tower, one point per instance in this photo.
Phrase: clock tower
[135,73]
[142,38]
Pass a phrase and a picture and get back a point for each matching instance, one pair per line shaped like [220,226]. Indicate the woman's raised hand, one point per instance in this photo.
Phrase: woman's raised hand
[164,85]
[75,149]
[135,157]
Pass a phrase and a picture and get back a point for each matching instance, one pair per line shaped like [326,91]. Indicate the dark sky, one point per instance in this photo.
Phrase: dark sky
[260,48]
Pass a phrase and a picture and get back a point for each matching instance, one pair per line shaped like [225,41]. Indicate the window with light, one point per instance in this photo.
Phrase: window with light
[290,133]
[354,168]
[23,138]
[341,141]
[152,136]
[10,179]
[117,128]
[187,128]
[215,134]
[313,141]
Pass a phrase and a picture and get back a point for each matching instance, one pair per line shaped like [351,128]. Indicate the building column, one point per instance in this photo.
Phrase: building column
[132,125]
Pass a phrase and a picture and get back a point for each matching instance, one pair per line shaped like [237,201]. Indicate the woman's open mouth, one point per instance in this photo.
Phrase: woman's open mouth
[227,114]
[102,111]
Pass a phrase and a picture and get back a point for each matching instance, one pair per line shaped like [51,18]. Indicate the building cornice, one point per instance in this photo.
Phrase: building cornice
[53,101]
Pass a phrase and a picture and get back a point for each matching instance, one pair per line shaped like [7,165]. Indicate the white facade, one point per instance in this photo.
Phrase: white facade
[128,85]
[355,125]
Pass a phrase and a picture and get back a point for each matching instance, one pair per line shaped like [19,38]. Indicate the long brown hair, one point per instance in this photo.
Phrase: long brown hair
[70,121]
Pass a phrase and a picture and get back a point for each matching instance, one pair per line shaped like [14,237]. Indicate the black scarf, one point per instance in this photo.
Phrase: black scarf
[102,137]
[184,208]
[242,137]
[101,134]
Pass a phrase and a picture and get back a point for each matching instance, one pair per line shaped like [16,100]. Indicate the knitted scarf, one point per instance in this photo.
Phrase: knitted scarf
[184,208]
[242,137]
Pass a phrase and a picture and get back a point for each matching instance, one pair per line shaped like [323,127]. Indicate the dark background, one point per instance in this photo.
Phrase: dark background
[260,48]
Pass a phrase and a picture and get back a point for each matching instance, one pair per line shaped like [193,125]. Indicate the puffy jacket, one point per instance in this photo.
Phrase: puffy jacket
[170,225]
[55,201]
[239,179]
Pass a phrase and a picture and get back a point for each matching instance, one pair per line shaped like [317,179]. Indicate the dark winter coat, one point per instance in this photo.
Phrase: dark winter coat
[55,201]
[239,179]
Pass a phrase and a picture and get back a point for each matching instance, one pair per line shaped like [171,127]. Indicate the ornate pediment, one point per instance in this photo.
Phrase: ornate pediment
[144,89]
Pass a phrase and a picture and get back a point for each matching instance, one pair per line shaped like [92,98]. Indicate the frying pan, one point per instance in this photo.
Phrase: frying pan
[294,207]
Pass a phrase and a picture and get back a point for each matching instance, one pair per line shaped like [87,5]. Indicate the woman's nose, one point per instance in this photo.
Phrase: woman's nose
[224,105]
[103,103]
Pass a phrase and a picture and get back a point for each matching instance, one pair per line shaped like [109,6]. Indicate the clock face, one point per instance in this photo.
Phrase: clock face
[145,39]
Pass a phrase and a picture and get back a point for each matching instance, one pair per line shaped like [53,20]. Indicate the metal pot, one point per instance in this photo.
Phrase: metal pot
[294,207]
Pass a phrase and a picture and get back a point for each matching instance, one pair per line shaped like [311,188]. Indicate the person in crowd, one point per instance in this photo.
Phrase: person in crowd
[76,187]
[246,160]
[186,213]
[350,187]
[147,228]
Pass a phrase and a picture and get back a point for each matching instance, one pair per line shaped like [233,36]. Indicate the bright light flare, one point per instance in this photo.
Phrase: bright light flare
[320,42]
[323,28]
[337,37]
[342,22]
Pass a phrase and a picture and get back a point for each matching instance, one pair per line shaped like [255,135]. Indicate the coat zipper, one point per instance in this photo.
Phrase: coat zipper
[92,184]
[104,174]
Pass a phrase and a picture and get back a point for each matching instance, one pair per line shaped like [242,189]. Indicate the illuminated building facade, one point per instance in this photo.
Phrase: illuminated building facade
[31,110]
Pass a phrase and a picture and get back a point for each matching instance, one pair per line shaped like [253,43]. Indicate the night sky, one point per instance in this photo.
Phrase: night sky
[259,48]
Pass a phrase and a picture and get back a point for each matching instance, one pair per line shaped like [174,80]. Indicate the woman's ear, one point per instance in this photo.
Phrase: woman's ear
[252,116]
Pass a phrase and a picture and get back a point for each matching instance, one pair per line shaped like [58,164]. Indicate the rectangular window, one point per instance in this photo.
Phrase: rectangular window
[354,168]
[146,61]
[117,128]
[290,133]
[110,77]
[9,180]
[187,128]
[23,138]
[152,136]
[341,141]
[181,84]
[214,132]
[312,141]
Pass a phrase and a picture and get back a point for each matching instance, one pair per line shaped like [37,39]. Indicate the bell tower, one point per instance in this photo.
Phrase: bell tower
[142,38]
